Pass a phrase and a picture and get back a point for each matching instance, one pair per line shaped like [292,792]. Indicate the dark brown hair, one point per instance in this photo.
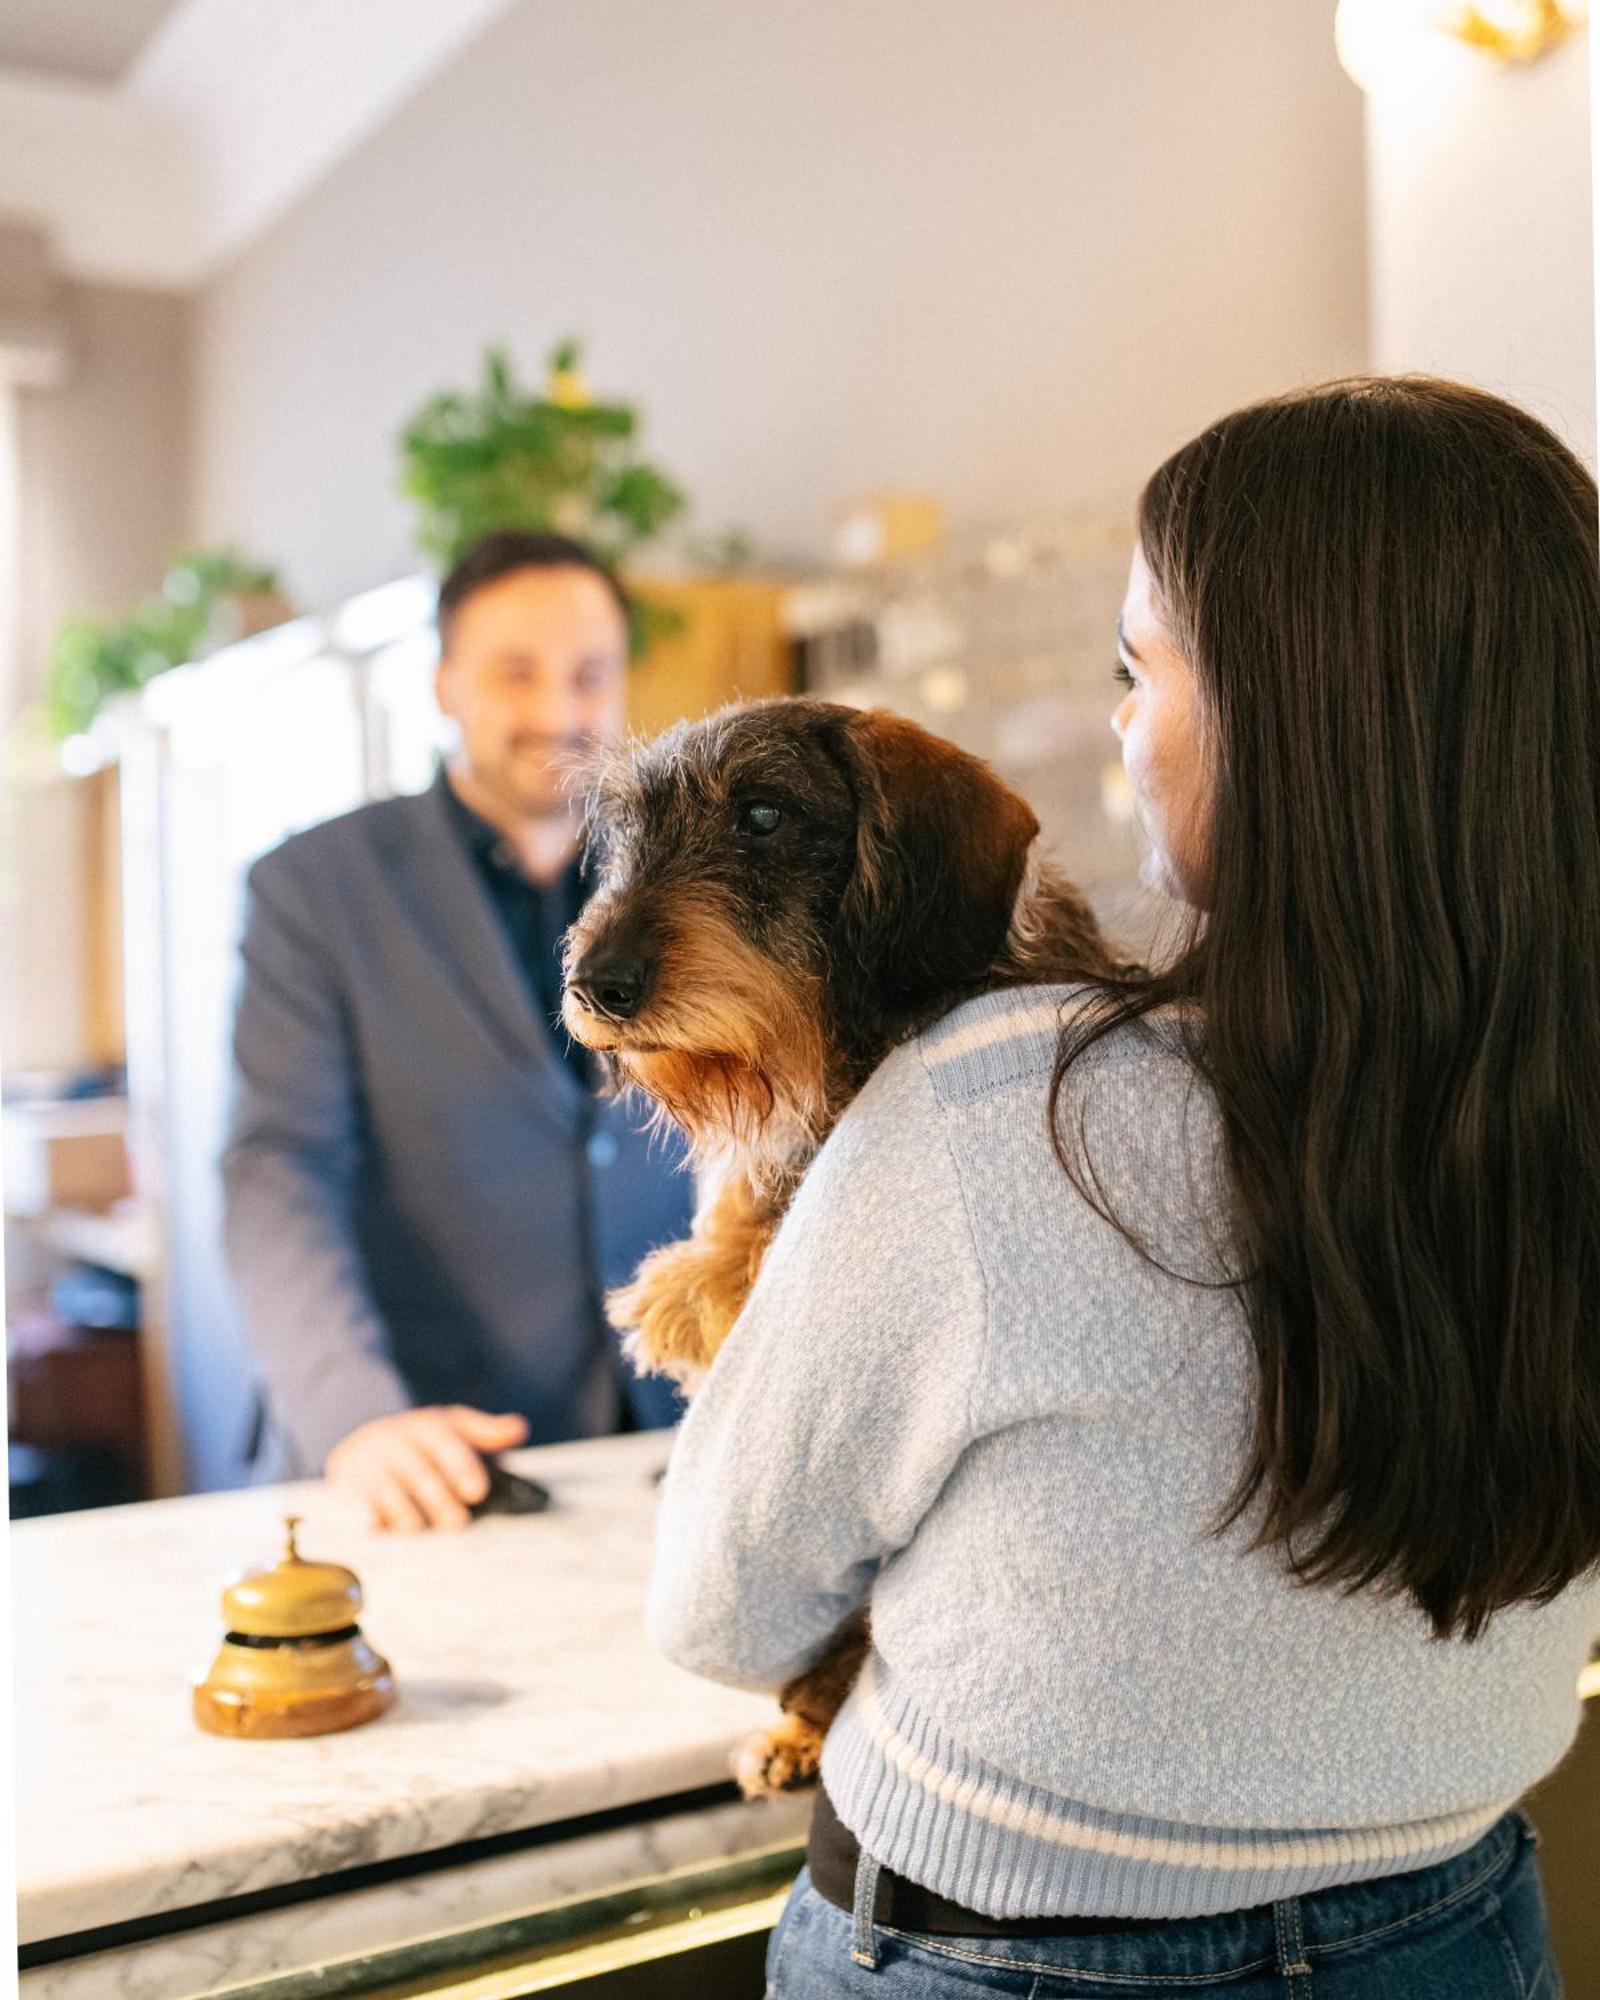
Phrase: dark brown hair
[1388,591]
[503,552]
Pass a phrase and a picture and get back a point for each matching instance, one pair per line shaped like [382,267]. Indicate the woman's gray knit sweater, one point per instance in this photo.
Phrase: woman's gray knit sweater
[956,1390]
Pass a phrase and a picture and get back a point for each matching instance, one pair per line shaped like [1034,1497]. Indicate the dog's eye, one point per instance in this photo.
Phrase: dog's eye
[761,818]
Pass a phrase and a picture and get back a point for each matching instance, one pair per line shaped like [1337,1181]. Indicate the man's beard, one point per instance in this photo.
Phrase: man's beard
[537,785]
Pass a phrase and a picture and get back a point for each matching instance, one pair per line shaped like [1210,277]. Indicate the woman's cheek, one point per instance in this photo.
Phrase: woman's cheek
[1149,781]
[1143,776]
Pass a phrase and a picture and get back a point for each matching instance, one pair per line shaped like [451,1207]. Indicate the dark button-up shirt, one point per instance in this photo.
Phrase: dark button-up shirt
[534,918]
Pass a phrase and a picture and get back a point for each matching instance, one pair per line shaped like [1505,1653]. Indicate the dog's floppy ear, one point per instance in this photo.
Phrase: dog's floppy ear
[941,845]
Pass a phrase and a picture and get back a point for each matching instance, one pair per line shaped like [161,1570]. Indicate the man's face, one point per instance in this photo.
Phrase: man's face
[535,667]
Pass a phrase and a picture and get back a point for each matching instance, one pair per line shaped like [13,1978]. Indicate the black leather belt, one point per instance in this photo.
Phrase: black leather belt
[832,1854]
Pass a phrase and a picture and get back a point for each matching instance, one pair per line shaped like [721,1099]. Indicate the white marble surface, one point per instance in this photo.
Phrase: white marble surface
[217,1959]
[528,1692]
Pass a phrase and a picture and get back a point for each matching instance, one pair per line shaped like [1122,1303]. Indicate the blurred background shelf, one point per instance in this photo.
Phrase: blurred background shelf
[126,1240]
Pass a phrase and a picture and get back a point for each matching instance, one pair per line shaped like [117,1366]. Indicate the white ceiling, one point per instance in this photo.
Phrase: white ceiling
[229,112]
[93,41]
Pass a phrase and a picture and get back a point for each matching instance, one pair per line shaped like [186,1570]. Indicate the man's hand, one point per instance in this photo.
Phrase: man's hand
[422,1468]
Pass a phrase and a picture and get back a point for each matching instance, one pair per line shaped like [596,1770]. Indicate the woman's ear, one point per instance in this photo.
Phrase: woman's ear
[941,845]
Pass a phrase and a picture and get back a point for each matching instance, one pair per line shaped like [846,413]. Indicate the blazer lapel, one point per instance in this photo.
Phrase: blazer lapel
[436,880]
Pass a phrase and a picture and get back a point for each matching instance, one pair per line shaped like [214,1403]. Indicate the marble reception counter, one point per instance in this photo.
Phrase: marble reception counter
[539,1751]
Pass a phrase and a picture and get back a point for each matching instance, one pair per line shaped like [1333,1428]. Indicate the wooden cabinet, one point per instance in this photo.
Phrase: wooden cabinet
[731,648]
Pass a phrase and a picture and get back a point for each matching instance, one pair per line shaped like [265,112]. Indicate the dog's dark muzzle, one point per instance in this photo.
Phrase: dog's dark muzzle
[611,983]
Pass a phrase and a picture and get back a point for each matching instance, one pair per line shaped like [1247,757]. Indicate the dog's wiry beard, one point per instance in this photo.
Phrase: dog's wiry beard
[721,1103]
[730,1048]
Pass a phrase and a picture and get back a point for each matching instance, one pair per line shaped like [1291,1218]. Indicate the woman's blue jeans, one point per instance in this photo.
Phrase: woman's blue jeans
[1471,1928]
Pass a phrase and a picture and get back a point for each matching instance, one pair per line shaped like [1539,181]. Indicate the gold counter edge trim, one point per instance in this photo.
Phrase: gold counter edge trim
[593,1961]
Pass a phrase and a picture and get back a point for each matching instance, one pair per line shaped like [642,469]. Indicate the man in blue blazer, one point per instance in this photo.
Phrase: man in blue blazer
[425,1197]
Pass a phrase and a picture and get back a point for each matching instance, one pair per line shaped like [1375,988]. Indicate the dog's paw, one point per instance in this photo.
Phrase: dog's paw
[785,1758]
[645,1359]
[672,1326]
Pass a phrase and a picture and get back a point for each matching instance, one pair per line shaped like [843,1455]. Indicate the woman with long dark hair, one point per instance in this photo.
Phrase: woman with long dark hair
[1200,1373]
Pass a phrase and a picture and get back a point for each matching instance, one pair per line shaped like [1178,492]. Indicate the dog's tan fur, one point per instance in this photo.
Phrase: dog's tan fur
[684,1298]
[744,1043]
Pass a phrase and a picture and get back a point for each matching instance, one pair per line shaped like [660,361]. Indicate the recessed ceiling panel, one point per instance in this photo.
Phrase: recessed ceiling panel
[92,41]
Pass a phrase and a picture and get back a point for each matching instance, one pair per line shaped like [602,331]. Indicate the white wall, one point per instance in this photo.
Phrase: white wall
[1482,245]
[47,1016]
[100,473]
[1010,250]
[102,463]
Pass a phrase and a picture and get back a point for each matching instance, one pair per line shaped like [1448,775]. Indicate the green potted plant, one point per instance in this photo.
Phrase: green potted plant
[502,457]
[208,598]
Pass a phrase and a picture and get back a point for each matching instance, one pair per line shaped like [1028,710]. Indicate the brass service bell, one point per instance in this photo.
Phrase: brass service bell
[292,1661]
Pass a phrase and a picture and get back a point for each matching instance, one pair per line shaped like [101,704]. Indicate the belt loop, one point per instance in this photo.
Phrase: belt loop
[863,1938]
[1291,1948]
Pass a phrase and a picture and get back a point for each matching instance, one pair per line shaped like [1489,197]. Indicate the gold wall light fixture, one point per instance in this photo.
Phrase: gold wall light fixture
[1376,38]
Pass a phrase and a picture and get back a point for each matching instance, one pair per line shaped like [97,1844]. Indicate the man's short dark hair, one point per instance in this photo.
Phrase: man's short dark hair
[504,551]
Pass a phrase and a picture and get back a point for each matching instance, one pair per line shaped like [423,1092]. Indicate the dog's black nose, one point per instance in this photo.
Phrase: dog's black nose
[612,983]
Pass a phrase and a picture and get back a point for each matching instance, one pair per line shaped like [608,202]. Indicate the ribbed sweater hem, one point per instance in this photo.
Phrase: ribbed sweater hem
[925,1806]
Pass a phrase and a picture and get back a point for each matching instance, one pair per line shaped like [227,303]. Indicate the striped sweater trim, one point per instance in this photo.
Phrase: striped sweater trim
[1000,1036]
[930,1810]
[1012,1018]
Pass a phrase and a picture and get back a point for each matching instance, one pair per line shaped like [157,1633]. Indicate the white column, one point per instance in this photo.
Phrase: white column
[1480,224]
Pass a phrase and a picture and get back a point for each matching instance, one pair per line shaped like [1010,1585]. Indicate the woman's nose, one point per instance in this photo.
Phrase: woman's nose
[1119,718]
